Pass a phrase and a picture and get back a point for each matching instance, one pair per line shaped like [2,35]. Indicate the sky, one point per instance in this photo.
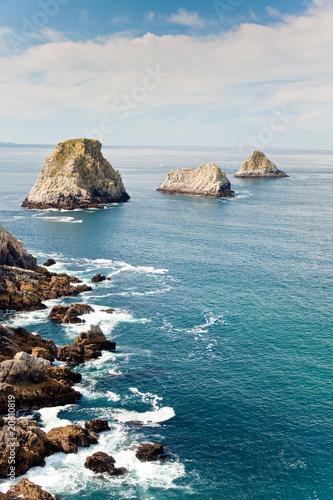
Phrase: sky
[246,74]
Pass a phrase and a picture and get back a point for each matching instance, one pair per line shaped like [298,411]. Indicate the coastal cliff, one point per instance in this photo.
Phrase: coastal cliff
[76,176]
[258,165]
[24,284]
[207,180]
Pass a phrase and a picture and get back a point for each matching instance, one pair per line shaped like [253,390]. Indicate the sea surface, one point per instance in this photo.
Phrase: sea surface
[223,326]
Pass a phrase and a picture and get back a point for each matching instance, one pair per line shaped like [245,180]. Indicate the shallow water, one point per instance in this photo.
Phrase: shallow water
[222,323]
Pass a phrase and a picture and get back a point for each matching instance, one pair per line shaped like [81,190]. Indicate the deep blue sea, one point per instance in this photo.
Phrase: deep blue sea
[223,326]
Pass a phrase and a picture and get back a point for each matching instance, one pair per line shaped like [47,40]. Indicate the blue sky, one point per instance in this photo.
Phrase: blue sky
[238,73]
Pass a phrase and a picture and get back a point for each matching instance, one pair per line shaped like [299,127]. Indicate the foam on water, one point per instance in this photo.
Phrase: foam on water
[147,397]
[49,417]
[71,220]
[149,417]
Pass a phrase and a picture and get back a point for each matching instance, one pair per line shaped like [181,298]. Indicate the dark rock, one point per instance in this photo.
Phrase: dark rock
[101,463]
[98,278]
[148,452]
[70,314]
[70,438]
[109,311]
[49,263]
[97,425]
[88,345]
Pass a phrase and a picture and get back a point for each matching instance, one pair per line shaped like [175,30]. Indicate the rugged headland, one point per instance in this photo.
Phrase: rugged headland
[207,180]
[258,165]
[76,176]
[24,284]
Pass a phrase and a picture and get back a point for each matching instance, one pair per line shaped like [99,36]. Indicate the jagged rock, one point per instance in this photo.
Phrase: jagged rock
[13,340]
[70,314]
[98,278]
[258,165]
[148,452]
[76,176]
[87,345]
[27,490]
[97,425]
[30,381]
[70,438]
[101,462]
[49,263]
[65,375]
[31,445]
[108,311]
[207,180]
[12,252]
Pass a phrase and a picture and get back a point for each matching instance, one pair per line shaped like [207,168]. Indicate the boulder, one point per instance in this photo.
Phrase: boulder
[98,278]
[70,438]
[76,176]
[70,314]
[258,165]
[49,263]
[207,180]
[97,425]
[102,463]
[87,345]
[27,490]
[148,452]
[24,369]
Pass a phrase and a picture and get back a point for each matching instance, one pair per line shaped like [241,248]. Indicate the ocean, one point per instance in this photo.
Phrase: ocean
[223,326]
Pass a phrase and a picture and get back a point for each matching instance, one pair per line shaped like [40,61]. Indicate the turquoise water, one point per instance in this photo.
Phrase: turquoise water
[223,319]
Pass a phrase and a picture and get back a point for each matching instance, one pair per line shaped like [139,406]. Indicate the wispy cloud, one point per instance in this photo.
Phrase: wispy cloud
[121,19]
[186,18]
[273,12]
[150,16]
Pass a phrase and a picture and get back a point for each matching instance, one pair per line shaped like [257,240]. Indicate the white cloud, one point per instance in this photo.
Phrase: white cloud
[149,16]
[186,18]
[243,74]
[273,12]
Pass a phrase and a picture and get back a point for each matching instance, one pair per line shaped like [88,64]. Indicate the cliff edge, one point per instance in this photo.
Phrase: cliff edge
[258,165]
[76,176]
[207,180]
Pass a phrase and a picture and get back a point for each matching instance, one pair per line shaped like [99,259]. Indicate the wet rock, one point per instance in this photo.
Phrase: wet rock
[102,463]
[70,314]
[98,278]
[65,375]
[148,452]
[49,263]
[108,311]
[70,438]
[97,425]
[27,490]
[88,345]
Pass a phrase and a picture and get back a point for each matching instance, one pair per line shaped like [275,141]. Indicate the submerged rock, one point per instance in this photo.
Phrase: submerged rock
[148,452]
[207,180]
[87,345]
[258,165]
[101,462]
[76,176]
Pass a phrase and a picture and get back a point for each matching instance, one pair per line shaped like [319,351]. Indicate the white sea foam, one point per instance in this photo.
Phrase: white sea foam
[147,397]
[71,220]
[49,417]
[112,396]
[149,417]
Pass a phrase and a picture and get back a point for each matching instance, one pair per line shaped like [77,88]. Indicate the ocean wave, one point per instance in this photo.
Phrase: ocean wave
[147,397]
[147,418]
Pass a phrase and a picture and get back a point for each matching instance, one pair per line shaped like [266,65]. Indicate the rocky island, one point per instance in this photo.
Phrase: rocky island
[76,176]
[24,284]
[258,165]
[207,180]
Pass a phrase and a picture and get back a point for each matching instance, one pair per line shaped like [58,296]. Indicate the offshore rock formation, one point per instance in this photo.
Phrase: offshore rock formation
[207,180]
[70,314]
[258,165]
[148,452]
[24,284]
[76,176]
[101,462]
[35,383]
[88,345]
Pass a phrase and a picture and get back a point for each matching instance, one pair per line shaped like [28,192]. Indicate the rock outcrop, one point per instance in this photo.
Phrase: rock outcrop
[88,345]
[30,380]
[148,452]
[14,340]
[31,445]
[207,180]
[76,176]
[24,284]
[102,463]
[27,490]
[49,263]
[258,165]
[70,314]
[98,278]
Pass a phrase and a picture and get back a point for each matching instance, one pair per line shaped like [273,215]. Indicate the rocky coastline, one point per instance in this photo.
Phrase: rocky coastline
[207,180]
[76,176]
